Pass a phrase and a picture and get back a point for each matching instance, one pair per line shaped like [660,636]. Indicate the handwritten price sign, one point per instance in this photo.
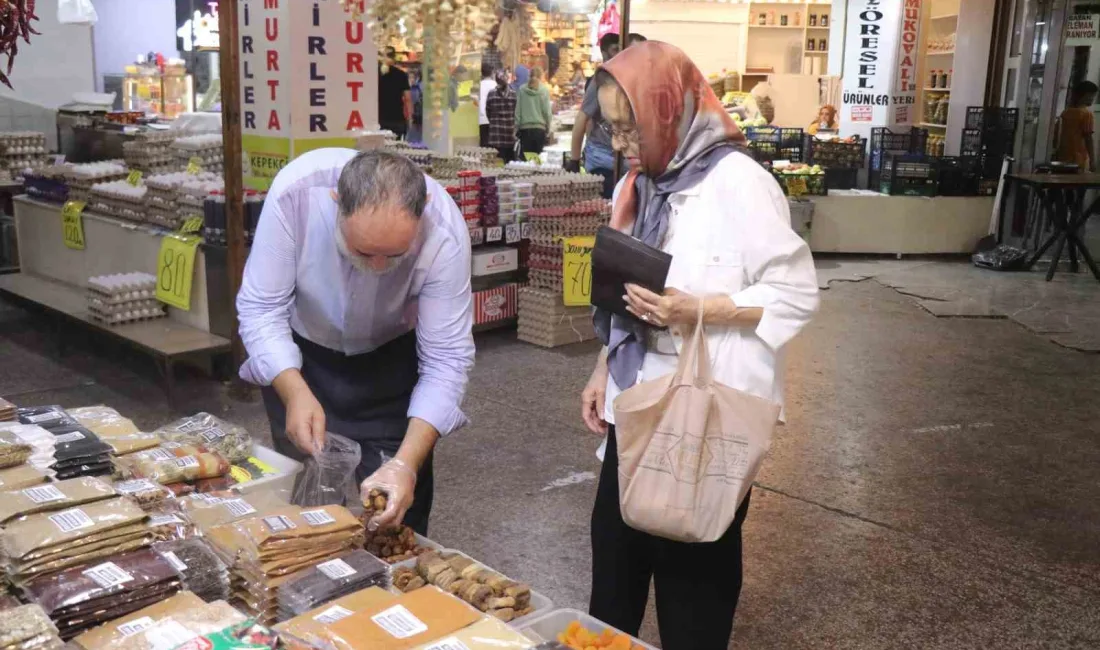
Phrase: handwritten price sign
[72,224]
[176,270]
[576,258]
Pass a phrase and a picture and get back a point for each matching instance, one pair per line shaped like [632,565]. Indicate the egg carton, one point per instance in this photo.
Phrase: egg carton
[138,306]
[169,220]
[114,284]
[113,210]
[88,174]
[126,319]
[548,280]
[110,300]
[552,338]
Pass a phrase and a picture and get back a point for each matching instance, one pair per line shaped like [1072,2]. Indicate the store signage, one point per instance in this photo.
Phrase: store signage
[134,177]
[176,270]
[905,85]
[72,225]
[194,165]
[1082,29]
[576,264]
[871,82]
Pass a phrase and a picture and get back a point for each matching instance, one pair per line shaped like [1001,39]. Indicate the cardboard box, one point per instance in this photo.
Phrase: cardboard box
[496,304]
[490,260]
[413,619]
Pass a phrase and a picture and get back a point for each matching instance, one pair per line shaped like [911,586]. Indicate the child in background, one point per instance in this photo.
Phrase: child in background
[1075,127]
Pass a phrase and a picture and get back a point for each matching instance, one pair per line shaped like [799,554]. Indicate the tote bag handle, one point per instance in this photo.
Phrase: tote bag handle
[694,365]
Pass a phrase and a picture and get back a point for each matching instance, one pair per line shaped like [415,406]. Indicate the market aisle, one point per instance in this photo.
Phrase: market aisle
[936,486]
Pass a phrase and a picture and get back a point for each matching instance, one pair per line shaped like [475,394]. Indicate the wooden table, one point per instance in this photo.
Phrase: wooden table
[1067,216]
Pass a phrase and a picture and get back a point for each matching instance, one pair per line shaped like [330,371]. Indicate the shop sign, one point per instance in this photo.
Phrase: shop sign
[869,95]
[176,270]
[905,86]
[576,264]
[1082,29]
[72,225]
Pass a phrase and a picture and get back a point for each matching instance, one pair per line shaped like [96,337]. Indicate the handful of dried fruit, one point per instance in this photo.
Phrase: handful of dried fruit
[479,586]
[392,545]
[406,579]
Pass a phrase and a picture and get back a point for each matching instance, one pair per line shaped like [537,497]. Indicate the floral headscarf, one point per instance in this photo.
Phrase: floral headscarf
[683,131]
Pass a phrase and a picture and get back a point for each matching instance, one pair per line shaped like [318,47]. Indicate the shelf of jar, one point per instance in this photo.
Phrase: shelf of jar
[944,53]
[937,90]
[932,125]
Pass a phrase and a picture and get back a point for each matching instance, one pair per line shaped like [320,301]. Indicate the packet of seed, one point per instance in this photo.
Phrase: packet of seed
[249,635]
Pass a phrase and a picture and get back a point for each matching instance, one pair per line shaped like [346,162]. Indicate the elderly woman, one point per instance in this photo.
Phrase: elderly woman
[692,192]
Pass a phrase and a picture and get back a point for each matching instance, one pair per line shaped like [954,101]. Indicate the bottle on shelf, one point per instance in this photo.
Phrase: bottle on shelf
[934,79]
[810,45]
[762,19]
[950,78]
[821,45]
[824,20]
[783,20]
[813,20]
[943,79]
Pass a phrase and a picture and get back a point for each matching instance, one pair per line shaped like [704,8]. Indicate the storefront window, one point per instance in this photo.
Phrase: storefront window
[1033,103]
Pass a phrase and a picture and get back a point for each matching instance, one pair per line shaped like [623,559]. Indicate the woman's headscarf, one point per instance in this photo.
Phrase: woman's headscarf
[522,75]
[683,132]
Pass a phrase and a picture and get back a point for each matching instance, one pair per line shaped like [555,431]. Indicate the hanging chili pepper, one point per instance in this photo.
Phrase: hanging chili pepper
[15,23]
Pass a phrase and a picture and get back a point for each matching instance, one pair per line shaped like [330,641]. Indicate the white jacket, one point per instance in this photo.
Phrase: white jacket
[731,235]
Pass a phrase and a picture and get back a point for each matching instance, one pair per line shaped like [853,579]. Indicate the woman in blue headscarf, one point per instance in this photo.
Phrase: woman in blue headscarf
[523,74]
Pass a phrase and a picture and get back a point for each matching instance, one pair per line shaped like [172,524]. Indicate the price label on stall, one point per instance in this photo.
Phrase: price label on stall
[194,165]
[525,230]
[477,236]
[72,224]
[511,233]
[134,178]
[176,270]
[796,185]
[532,158]
[191,225]
[494,234]
[576,264]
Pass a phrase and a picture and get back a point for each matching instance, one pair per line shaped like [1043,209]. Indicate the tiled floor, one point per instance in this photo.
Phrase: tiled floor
[937,484]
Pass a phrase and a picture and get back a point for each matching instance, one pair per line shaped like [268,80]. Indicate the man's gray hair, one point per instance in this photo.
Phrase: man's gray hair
[381,177]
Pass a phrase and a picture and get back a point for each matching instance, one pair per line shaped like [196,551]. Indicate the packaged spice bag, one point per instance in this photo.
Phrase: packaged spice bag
[24,623]
[487,634]
[173,463]
[46,417]
[179,628]
[106,636]
[310,630]
[249,635]
[230,440]
[17,478]
[148,494]
[104,421]
[202,571]
[50,530]
[332,579]
[40,440]
[125,573]
[13,451]
[167,522]
[52,496]
[413,619]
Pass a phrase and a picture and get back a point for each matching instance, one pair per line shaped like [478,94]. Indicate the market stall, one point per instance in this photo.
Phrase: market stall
[193,535]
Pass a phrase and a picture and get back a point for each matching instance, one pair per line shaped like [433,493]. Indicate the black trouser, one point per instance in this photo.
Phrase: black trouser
[366,398]
[483,135]
[507,154]
[697,585]
[400,129]
[532,140]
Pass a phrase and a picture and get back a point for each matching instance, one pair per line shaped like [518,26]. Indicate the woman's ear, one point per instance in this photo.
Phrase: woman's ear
[334,196]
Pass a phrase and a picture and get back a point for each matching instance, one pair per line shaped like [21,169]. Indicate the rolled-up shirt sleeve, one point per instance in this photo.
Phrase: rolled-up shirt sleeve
[445,340]
[779,265]
[263,303]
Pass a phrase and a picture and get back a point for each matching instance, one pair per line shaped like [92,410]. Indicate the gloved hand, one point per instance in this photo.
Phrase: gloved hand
[573,166]
[398,481]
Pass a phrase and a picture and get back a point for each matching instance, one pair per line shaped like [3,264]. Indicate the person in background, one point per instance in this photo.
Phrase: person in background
[1075,128]
[500,106]
[521,77]
[533,114]
[357,316]
[491,53]
[394,97]
[826,119]
[694,193]
[487,85]
[416,93]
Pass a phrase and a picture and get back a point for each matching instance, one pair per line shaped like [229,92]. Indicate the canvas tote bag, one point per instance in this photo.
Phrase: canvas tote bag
[689,449]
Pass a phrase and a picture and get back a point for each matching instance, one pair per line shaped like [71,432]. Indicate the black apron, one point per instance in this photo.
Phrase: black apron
[366,398]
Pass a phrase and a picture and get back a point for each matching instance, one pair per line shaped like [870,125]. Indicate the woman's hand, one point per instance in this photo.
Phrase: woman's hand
[673,308]
[593,398]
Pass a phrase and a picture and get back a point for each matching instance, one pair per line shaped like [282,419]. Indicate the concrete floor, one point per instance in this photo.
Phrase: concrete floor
[936,486]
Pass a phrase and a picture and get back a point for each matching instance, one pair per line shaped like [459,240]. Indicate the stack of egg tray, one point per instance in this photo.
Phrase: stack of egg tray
[162,198]
[193,193]
[545,321]
[150,152]
[80,178]
[119,308]
[21,151]
[486,156]
[48,184]
[104,200]
[207,147]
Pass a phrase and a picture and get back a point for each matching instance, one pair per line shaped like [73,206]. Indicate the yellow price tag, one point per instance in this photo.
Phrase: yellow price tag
[576,264]
[191,225]
[72,224]
[532,157]
[796,185]
[194,165]
[134,178]
[465,88]
[176,270]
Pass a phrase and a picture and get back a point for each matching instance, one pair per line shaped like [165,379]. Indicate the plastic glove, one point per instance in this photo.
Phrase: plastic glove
[572,166]
[398,481]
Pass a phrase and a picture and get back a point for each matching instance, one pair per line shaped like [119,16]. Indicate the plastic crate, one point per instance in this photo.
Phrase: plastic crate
[841,179]
[993,118]
[548,626]
[776,143]
[908,175]
[884,141]
[281,483]
[958,176]
[833,154]
[792,184]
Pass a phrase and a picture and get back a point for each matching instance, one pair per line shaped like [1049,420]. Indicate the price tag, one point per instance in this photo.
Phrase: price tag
[279,523]
[525,230]
[176,270]
[496,233]
[71,520]
[194,165]
[477,236]
[318,517]
[576,264]
[134,178]
[399,622]
[511,233]
[108,575]
[532,158]
[336,569]
[796,185]
[238,507]
[72,224]
[333,614]
[191,225]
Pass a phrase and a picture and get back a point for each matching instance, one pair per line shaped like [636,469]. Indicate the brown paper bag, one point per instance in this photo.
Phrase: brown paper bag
[689,448]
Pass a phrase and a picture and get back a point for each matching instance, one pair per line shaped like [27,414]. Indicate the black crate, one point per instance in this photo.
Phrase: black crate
[908,175]
[993,118]
[884,141]
[841,179]
[776,143]
[958,176]
[833,154]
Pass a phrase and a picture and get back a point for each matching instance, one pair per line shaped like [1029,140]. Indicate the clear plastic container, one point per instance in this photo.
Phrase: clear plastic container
[548,626]
[281,483]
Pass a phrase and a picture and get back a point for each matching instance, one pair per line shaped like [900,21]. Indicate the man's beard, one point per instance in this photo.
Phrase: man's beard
[359,261]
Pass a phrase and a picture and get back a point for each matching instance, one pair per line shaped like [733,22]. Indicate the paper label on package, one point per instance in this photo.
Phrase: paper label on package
[44,417]
[333,614]
[44,494]
[210,435]
[170,445]
[188,427]
[174,560]
[318,517]
[238,507]
[336,569]
[72,436]
[186,462]
[135,486]
[71,520]
[158,454]
[164,520]
[279,523]
[135,626]
[399,622]
[450,643]
[108,575]
[167,635]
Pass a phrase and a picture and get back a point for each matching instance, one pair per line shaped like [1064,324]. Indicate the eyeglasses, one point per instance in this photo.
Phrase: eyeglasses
[612,132]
